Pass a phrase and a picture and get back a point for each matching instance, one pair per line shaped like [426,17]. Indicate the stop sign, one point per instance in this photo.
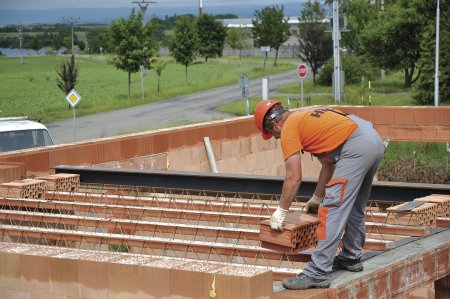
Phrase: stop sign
[301,70]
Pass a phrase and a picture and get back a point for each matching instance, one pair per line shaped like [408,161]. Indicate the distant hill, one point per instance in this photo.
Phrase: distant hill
[106,15]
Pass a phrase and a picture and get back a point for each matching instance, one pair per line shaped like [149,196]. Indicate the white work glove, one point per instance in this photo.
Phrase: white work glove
[277,219]
[313,204]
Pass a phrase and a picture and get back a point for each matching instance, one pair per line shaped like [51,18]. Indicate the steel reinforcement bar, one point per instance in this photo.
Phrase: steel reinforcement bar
[128,226]
[228,251]
[133,211]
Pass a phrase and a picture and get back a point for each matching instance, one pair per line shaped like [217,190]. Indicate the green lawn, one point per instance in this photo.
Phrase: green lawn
[30,89]
[387,92]
[427,153]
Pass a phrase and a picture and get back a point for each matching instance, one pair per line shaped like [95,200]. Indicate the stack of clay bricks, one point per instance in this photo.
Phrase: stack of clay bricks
[442,200]
[299,233]
[27,188]
[9,173]
[423,215]
[64,182]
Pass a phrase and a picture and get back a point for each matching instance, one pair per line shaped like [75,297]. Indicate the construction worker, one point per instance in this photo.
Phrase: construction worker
[350,151]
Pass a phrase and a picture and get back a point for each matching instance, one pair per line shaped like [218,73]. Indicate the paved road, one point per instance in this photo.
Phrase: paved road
[191,108]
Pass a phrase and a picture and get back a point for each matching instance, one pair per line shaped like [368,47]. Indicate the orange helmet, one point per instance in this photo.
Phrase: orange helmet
[260,112]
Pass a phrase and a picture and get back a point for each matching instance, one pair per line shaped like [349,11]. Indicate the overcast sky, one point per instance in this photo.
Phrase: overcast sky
[48,4]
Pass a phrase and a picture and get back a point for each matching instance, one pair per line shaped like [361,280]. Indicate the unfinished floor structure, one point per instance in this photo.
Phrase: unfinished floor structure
[143,234]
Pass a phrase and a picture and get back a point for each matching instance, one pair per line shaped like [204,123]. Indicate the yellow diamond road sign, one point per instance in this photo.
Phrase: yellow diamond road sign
[73,98]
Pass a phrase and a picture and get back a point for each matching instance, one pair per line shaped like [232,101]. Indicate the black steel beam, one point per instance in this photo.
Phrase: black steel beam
[382,191]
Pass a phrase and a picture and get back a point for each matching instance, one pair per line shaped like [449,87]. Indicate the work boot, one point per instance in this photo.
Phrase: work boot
[342,263]
[302,282]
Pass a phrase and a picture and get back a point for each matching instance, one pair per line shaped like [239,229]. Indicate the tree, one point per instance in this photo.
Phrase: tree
[211,36]
[392,39]
[424,88]
[67,43]
[270,28]
[81,45]
[183,43]
[360,12]
[35,44]
[56,41]
[315,45]
[159,67]
[237,39]
[133,45]
[98,38]
[67,75]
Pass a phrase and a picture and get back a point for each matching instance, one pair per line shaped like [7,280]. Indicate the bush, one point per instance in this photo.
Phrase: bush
[355,67]
[326,73]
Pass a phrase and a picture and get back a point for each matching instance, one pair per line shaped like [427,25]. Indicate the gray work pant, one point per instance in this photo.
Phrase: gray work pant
[342,211]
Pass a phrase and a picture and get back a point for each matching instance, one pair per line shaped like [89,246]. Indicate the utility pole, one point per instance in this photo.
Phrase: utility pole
[382,71]
[20,28]
[143,4]
[336,52]
[200,8]
[436,63]
[71,21]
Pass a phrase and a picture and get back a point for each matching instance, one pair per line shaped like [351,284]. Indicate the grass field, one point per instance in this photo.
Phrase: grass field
[30,89]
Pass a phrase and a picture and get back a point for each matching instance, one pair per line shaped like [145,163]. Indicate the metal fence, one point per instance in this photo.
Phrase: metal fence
[283,52]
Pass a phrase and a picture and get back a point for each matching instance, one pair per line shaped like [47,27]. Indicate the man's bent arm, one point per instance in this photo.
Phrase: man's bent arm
[326,172]
[292,180]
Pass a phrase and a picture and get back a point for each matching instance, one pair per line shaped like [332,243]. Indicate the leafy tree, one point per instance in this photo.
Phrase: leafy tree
[98,38]
[315,45]
[237,39]
[67,43]
[159,67]
[183,43]
[360,12]
[424,89]
[133,45]
[81,45]
[35,44]
[56,41]
[270,28]
[67,75]
[392,39]
[226,16]
[211,36]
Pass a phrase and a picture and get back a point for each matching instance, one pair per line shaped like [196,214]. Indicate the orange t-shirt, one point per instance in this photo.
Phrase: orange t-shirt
[316,131]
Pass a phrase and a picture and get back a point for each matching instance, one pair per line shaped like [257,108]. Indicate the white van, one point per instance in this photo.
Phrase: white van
[18,133]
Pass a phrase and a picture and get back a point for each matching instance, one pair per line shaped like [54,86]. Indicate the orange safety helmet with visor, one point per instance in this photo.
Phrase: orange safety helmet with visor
[263,119]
